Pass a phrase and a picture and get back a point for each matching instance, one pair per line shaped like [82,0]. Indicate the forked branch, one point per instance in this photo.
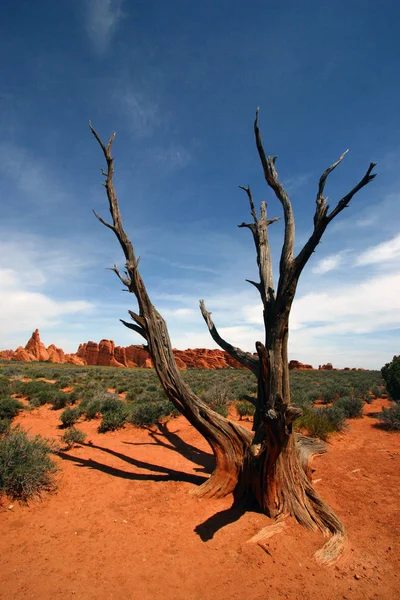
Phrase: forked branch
[271,177]
[321,216]
[261,242]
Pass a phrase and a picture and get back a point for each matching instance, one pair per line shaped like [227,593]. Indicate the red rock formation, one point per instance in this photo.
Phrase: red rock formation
[327,367]
[73,359]
[89,352]
[22,355]
[137,356]
[36,347]
[296,364]
[107,354]
[56,355]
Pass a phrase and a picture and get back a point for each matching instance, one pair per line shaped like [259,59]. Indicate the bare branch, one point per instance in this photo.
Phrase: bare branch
[256,285]
[123,280]
[245,358]
[103,221]
[138,318]
[271,177]
[250,226]
[322,218]
[343,203]
[136,328]
[251,202]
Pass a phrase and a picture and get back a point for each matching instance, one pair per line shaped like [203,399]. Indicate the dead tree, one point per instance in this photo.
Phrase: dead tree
[273,462]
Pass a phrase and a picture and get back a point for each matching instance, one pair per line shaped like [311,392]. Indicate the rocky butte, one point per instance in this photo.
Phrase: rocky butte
[107,354]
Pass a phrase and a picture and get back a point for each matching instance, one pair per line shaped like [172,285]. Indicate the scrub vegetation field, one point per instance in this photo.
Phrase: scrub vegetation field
[96,466]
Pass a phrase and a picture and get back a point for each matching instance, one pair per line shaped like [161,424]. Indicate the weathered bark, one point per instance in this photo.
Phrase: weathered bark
[228,440]
[272,463]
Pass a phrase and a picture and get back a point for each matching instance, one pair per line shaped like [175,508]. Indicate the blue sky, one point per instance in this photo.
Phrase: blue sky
[180,81]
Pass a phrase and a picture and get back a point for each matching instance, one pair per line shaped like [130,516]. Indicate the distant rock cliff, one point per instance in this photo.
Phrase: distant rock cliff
[107,354]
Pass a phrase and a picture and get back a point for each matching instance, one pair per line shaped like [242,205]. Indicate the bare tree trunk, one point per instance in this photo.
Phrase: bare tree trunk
[272,463]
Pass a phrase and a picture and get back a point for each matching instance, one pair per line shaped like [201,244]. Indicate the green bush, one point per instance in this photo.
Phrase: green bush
[4,426]
[9,408]
[320,422]
[73,436]
[59,400]
[217,397]
[352,407]
[149,413]
[5,388]
[112,420]
[69,416]
[91,409]
[245,409]
[391,375]
[391,417]
[26,469]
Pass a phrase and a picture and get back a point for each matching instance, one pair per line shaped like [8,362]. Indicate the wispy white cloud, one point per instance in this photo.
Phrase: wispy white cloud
[142,113]
[171,157]
[329,263]
[40,261]
[29,173]
[381,253]
[179,265]
[36,282]
[102,19]
[23,310]
[293,184]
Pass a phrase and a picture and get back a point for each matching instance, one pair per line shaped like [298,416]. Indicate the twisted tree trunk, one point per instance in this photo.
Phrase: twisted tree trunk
[272,463]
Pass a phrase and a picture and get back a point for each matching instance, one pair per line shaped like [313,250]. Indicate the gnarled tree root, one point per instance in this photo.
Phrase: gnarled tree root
[298,499]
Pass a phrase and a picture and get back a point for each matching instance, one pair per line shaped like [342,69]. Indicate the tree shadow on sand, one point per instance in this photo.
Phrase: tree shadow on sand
[210,526]
[159,473]
[171,441]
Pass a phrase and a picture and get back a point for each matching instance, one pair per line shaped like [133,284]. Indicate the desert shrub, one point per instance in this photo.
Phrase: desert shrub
[301,398]
[73,396]
[63,382]
[73,436]
[114,412]
[4,426]
[69,416]
[121,388]
[217,397]
[112,420]
[391,417]
[244,409]
[91,409]
[391,375]
[9,408]
[352,407]
[60,400]
[143,414]
[377,390]
[320,422]
[39,374]
[26,469]
[328,392]
[109,402]
[5,388]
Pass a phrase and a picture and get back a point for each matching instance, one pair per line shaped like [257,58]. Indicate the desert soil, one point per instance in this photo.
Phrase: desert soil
[123,524]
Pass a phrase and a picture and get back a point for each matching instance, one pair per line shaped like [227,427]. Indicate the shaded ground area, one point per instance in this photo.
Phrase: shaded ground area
[122,525]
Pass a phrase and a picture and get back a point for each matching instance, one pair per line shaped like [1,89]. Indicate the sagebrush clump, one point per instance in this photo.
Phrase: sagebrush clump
[26,467]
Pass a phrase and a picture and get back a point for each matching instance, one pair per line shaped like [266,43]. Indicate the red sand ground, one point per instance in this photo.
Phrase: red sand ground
[122,525]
